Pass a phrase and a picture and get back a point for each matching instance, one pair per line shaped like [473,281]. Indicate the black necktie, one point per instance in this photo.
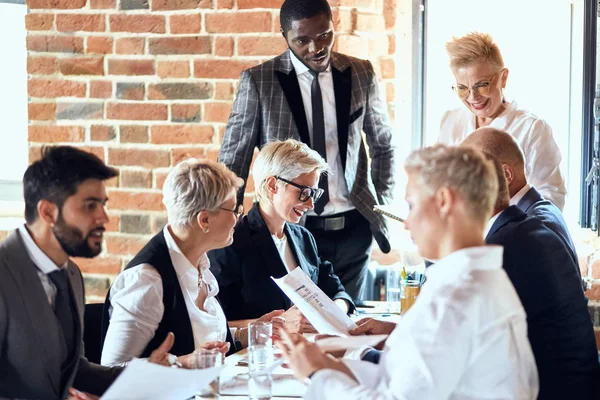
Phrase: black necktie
[63,309]
[318,138]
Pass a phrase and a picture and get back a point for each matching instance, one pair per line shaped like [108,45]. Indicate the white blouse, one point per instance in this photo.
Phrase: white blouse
[465,338]
[137,306]
[534,135]
[285,252]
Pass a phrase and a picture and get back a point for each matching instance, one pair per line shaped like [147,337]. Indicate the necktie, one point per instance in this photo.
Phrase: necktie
[319,137]
[63,309]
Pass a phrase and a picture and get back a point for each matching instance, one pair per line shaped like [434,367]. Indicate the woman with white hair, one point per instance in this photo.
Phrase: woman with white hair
[168,286]
[465,337]
[269,243]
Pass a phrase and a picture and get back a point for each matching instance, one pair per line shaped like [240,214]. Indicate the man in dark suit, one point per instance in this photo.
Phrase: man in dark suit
[327,100]
[543,271]
[506,150]
[41,289]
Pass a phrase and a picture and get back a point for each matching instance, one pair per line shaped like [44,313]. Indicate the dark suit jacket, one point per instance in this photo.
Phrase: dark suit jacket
[244,268]
[560,329]
[534,204]
[31,343]
[268,107]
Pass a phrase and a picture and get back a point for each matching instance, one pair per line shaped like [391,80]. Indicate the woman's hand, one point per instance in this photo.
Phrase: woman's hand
[370,326]
[188,361]
[306,358]
[296,322]
[161,354]
[77,395]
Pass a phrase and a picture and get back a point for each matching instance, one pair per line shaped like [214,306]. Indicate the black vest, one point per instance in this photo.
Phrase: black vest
[175,317]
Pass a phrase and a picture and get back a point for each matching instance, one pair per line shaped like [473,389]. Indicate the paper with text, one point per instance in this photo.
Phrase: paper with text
[317,307]
[144,380]
[350,342]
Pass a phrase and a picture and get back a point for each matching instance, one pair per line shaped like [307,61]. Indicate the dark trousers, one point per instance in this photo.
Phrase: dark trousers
[348,249]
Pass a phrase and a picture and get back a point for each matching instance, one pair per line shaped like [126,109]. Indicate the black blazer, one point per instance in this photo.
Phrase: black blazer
[560,329]
[244,269]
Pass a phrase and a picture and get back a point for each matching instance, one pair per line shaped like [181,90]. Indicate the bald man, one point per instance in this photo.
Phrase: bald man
[507,151]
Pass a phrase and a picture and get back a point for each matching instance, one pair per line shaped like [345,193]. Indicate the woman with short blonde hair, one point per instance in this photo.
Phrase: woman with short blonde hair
[481,76]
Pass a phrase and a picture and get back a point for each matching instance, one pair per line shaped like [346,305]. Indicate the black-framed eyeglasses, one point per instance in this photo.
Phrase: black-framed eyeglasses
[238,211]
[481,88]
[306,192]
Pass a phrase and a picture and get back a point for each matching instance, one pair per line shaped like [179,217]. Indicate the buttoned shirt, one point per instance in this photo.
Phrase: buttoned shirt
[519,195]
[338,190]
[465,338]
[137,306]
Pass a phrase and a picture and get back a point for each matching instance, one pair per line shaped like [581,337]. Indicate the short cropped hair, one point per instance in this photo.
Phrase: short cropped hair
[503,197]
[464,170]
[295,10]
[288,159]
[197,185]
[57,175]
[473,47]
[498,143]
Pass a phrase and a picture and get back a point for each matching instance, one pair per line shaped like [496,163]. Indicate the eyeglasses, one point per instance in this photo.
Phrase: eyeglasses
[238,210]
[306,192]
[481,88]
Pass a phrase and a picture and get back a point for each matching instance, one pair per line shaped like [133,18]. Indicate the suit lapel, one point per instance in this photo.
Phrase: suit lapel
[41,315]
[531,197]
[294,241]
[342,86]
[78,296]
[508,215]
[264,242]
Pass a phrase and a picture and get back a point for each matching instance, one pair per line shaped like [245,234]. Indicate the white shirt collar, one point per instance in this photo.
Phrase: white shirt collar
[519,195]
[490,223]
[456,264]
[299,66]
[39,258]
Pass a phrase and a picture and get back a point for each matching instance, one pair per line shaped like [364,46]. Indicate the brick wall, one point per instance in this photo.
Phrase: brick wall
[145,84]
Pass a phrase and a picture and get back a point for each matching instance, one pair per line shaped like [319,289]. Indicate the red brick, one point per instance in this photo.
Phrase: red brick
[42,65]
[213,155]
[216,112]
[100,89]
[55,43]
[220,69]
[353,3]
[41,111]
[181,134]
[180,91]
[103,4]
[227,4]
[391,44]
[139,157]
[246,4]
[102,133]
[173,69]
[132,45]
[136,178]
[260,45]
[81,66]
[180,154]
[134,200]
[596,269]
[389,13]
[351,44]
[80,22]
[180,4]
[180,45]
[131,67]
[53,134]
[99,265]
[224,91]
[134,134]
[224,46]
[99,45]
[79,110]
[137,23]
[124,245]
[159,178]
[55,88]
[388,68]
[343,20]
[369,22]
[390,91]
[238,22]
[137,111]
[130,90]
[276,26]
[185,113]
[190,23]
[39,22]
[56,4]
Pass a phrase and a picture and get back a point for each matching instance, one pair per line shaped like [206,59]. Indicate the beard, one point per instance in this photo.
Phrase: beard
[72,241]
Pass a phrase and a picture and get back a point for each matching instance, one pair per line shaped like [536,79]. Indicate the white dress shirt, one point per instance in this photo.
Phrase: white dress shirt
[338,190]
[137,306]
[519,195]
[534,135]
[465,338]
[43,263]
[285,252]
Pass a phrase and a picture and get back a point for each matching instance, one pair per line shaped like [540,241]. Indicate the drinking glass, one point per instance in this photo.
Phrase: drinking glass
[260,333]
[260,381]
[208,359]
[409,291]
[392,294]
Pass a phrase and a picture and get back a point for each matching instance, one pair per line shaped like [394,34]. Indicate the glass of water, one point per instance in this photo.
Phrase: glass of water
[260,333]
[393,289]
[260,381]
[208,359]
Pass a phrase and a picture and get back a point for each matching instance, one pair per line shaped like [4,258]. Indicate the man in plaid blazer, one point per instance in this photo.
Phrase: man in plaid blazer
[275,101]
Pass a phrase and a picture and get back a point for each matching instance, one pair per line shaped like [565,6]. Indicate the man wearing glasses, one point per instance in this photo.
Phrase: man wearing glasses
[327,100]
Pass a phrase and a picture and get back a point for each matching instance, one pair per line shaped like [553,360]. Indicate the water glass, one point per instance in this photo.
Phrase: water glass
[409,291]
[260,381]
[260,334]
[392,294]
[208,359]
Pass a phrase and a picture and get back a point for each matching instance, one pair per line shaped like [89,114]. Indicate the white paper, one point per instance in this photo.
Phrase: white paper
[317,307]
[350,342]
[144,380]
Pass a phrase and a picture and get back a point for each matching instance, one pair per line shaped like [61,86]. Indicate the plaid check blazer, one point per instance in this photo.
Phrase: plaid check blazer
[268,107]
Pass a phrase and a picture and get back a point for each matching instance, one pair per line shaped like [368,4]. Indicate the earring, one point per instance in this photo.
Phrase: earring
[442,214]
[205,230]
